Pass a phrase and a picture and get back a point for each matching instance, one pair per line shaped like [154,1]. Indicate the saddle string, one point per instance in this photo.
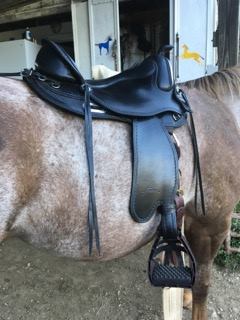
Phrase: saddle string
[182,98]
[197,168]
[92,208]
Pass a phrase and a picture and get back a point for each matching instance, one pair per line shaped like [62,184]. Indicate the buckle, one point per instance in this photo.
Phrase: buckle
[176,116]
[42,77]
[55,85]
[27,72]
[182,98]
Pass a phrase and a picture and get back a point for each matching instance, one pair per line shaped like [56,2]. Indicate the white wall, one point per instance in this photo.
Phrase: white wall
[41,32]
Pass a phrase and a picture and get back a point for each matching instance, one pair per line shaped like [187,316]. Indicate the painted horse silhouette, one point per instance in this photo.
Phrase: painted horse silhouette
[104,45]
[187,54]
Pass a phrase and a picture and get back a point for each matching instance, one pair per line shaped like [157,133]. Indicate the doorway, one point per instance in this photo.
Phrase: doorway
[144,28]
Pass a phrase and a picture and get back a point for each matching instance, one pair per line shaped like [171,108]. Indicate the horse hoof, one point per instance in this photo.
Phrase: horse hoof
[187,299]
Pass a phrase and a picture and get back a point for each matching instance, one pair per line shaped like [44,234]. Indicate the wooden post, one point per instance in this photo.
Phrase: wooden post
[172,303]
[228,33]
[6,5]
[231,234]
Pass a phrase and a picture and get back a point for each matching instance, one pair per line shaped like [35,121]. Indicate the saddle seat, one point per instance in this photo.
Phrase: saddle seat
[143,91]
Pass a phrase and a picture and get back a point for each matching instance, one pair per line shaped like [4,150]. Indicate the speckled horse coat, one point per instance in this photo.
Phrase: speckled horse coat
[44,178]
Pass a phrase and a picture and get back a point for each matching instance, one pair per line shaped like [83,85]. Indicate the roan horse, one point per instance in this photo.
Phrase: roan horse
[44,179]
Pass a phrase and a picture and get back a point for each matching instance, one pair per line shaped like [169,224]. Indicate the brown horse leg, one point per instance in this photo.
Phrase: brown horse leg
[187,299]
[205,236]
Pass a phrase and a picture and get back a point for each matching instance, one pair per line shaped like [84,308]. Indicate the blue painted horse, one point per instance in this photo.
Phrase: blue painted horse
[104,45]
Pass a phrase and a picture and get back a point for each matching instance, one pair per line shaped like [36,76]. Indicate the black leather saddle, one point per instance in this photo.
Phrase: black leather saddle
[146,97]
[143,91]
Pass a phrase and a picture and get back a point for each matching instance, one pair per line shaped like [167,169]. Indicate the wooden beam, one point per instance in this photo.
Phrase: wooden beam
[6,5]
[234,32]
[36,10]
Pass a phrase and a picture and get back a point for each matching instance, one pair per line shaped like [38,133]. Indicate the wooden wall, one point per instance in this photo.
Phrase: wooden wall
[17,10]
[228,33]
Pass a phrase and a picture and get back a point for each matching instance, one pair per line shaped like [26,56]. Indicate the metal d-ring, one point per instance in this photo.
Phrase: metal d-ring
[42,78]
[55,85]
[176,116]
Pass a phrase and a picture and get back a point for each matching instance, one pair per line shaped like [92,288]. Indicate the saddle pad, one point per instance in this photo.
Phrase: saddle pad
[155,169]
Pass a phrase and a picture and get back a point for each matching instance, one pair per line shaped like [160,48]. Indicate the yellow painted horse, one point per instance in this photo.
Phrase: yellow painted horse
[187,54]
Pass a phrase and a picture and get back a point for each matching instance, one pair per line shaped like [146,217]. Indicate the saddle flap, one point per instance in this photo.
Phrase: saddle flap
[155,169]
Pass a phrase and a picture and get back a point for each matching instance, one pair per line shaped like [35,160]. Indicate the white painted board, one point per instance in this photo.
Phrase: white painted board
[80,24]
[104,33]
[17,54]
[192,23]
[94,22]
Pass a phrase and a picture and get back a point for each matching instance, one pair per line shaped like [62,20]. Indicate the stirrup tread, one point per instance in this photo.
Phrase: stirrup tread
[170,276]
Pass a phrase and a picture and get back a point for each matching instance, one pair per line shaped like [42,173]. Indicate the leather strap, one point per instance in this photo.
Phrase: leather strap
[197,167]
[10,74]
[92,208]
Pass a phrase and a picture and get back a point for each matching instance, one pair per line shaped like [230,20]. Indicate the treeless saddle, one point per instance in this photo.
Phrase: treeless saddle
[146,97]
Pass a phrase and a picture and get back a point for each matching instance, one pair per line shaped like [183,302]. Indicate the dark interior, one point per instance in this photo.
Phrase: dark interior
[137,15]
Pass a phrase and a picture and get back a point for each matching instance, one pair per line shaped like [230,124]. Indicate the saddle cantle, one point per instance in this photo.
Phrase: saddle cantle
[146,97]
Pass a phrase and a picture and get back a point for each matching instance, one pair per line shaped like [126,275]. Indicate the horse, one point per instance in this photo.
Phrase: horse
[44,176]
